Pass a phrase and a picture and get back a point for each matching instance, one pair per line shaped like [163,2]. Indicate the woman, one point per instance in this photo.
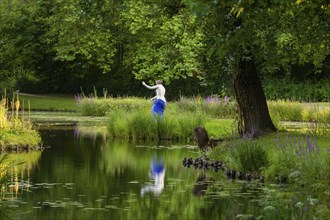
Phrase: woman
[160,101]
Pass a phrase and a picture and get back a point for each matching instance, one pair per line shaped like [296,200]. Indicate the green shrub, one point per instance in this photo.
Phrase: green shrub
[248,156]
[303,91]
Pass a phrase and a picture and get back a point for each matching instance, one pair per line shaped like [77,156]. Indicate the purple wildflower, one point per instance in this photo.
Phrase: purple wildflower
[309,144]
[212,100]
[78,98]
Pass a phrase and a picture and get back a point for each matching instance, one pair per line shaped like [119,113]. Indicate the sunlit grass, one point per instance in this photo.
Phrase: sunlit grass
[296,111]
[221,128]
[213,107]
[50,102]
[15,130]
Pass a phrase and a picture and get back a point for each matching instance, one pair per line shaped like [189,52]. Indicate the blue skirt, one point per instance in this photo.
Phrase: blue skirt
[158,107]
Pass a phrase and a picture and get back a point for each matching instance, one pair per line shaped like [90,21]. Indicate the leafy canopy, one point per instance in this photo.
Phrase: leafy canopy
[163,45]
[276,33]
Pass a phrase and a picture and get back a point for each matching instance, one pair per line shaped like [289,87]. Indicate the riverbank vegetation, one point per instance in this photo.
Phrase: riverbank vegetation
[283,157]
[129,113]
[16,133]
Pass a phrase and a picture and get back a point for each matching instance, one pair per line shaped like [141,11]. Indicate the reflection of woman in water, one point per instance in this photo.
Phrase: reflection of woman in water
[158,174]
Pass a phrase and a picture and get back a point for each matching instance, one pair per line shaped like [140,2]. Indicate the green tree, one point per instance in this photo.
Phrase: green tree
[165,42]
[246,38]
[263,37]
[19,42]
[81,31]
[58,42]
[253,37]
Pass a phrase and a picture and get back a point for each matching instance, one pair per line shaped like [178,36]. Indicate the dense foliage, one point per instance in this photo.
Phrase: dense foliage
[60,46]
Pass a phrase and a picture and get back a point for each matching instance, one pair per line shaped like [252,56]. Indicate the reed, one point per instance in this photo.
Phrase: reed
[13,129]
[285,111]
[4,123]
[141,124]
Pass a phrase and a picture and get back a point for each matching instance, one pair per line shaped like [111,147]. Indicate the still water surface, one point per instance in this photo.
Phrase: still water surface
[88,176]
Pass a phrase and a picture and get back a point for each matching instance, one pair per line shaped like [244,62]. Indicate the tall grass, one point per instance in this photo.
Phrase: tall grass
[316,114]
[299,159]
[140,124]
[295,111]
[285,110]
[317,117]
[213,106]
[15,130]
[130,118]
[94,106]
[248,156]
[282,157]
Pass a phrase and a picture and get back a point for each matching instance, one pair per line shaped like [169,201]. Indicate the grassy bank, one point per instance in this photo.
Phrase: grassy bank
[283,157]
[130,118]
[213,106]
[129,115]
[16,132]
[50,102]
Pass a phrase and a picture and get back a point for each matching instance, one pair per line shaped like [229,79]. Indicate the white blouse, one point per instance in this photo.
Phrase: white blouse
[160,91]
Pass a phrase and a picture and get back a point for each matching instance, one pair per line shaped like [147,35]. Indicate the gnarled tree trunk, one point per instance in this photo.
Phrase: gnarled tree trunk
[254,118]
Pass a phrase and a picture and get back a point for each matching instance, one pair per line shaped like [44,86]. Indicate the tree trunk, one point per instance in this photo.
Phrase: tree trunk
[254,118]
[201,137]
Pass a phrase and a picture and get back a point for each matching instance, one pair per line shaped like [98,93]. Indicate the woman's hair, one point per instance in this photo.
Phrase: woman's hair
[159,81]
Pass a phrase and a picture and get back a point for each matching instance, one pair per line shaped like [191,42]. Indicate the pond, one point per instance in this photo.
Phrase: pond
[86,175]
